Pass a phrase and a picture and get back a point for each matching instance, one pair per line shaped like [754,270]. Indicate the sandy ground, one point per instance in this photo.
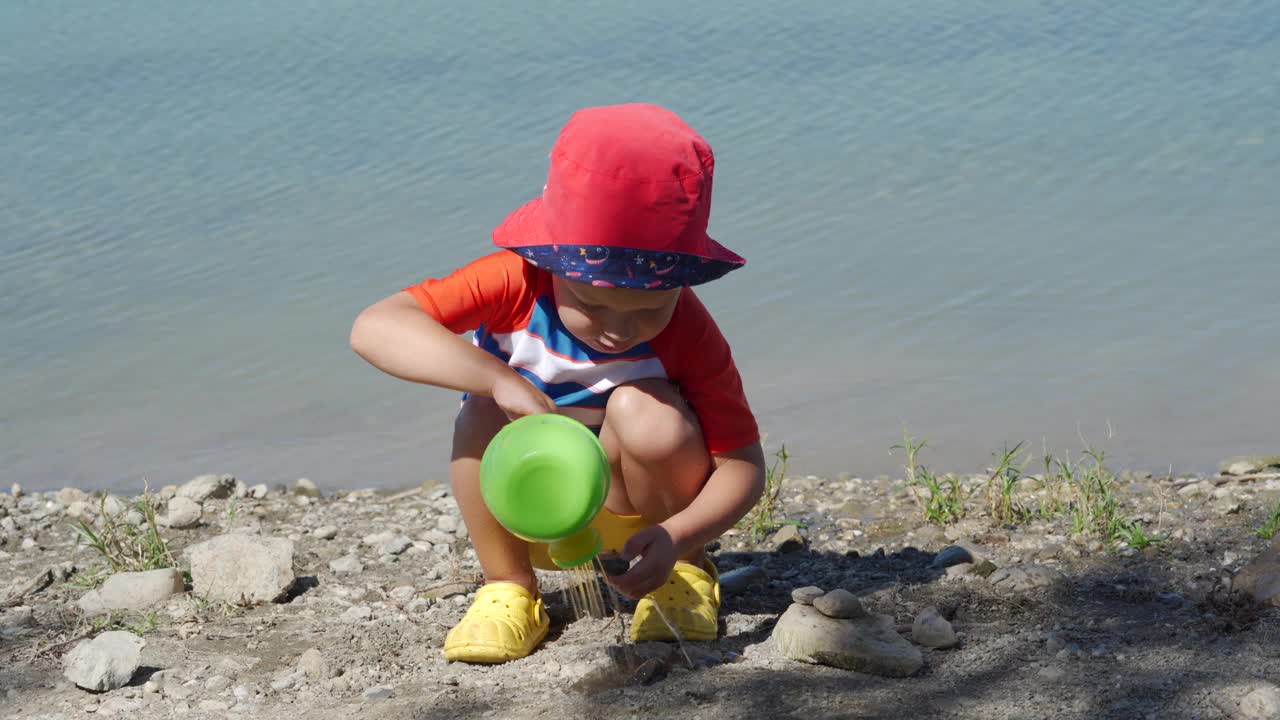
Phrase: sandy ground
[1125,633]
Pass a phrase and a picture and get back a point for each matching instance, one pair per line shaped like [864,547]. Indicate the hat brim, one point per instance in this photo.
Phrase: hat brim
[524,231]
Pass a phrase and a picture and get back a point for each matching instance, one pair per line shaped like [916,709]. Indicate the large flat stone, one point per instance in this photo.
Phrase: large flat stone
[133,591]
[869,644]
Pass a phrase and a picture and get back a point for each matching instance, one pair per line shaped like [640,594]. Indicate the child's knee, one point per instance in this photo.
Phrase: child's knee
[652,422]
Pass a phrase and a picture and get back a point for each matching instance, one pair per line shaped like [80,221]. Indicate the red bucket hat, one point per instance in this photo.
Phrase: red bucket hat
[626,204]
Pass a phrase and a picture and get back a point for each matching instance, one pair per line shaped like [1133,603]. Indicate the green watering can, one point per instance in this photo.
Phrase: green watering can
[544,477]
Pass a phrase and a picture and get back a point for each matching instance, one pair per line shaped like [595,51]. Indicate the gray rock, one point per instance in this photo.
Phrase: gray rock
[306,488]
[952,555]
[80,509]
[402,594]
[1020,578]
[241,568]
[1250,464]
[314,665]
[870,644]
[1260,579]
[135,518]
[133,591]
[787,539]
[15,490]
[1052,673]
[839,603]
[436,537]
[183,513]
[213,706]
[114,506]
[1193,490]
[259,491]
[14,620]
[932,630]
[346,565]
[447,523]
[118,706]
[205,487]
[325,532]
[1263,703]
[377,539]
[739,579]
[956,571]
[69,495]
[217,683]
[106,662]
[357,614]
[397,545]
[806,595]
[378,693]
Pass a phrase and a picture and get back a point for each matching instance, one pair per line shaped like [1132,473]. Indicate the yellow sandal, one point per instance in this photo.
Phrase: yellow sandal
[690,600]
[505,622]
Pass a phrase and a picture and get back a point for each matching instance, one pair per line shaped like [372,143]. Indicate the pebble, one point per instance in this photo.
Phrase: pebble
[436,537]
[217,683]
[305,488]
[283,683]
[447,523]
[1052,673]
[378,693]
[1263,703]
[952,555]
[357,613]
[840,604]
[213,706]
[402,594]
[806,595]
[346,565]
[397,545]
[204,487]
[787,539]
[119,706]
[1025,577]
[314,665]
[932,630]
[15,490]
[183,513]
[325,532]
[259,491]
[241,692]
[739,579]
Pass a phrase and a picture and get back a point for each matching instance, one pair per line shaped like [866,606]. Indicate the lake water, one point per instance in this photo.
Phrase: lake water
[989,221]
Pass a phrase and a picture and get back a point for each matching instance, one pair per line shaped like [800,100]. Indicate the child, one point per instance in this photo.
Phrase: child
[586,311]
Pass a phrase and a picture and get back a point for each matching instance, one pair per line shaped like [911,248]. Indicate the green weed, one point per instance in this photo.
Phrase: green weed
[1268,529]
[1002,489]
[941,500]
[124,547]
[1137,538]
[764,518]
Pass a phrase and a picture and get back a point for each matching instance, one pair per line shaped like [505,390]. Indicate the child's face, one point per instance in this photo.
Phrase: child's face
[613,320]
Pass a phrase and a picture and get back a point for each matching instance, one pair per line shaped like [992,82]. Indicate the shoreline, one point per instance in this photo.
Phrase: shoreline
[1046,620]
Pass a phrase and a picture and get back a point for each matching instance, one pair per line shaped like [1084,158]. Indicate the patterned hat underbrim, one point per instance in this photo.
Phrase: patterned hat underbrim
[604,266]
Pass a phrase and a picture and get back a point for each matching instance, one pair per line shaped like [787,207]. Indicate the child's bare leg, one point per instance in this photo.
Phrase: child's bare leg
[503,556]
[655,444]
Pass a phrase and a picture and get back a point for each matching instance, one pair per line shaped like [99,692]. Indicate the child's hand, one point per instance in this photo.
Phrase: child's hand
[518,397]
[657,553]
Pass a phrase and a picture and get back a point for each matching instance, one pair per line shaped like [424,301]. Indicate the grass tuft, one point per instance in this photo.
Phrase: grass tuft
[124,547]
[942,500]
[765,517]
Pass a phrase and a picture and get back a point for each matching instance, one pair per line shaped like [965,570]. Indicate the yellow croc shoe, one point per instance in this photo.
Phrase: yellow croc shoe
[690,601]
[505,622]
